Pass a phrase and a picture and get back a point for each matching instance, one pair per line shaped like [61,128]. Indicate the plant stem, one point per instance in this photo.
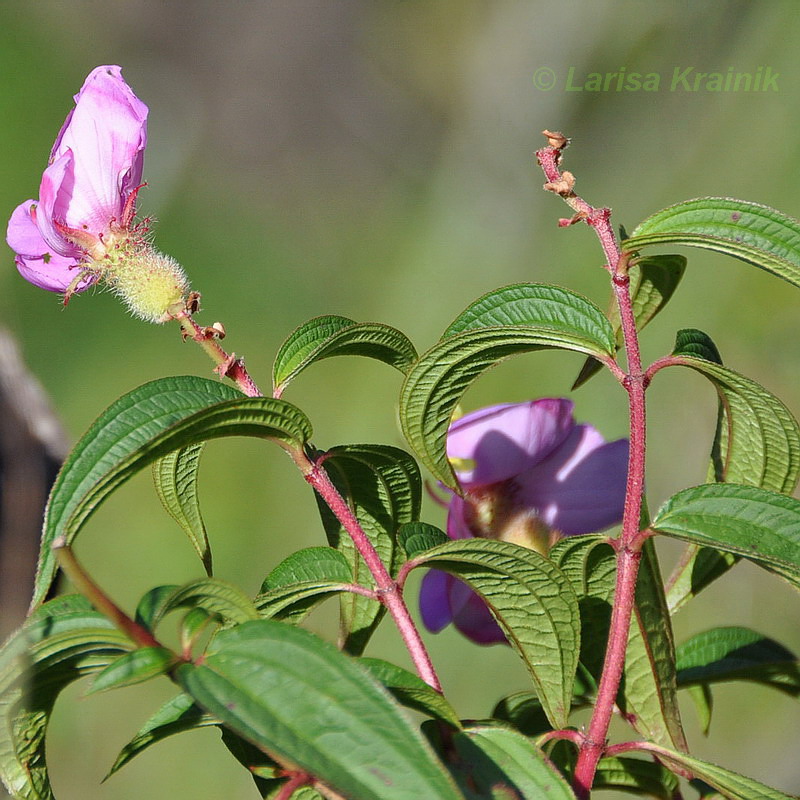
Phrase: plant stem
[98,598]
[228,366]
[631,539]
[387,592]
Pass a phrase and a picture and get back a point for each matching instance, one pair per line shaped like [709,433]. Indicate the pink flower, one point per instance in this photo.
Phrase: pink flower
[530,475]
[87,195]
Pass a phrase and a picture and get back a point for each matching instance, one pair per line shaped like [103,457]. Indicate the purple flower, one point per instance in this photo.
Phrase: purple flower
[88,191]
[530,475]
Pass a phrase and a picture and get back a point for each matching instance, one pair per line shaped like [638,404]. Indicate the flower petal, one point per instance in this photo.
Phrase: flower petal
[36,262]
[580,487]
[106,134]
[472,617]
[434,600]
[443,599]
[457,527]
[501,441]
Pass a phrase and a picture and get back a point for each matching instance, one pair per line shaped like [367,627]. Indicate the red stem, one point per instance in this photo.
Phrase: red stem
[388,592]
[629,543]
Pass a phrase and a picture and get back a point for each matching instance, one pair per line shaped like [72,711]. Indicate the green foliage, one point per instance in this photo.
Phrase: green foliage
[757,442]
[751,232]
[301,581]
[729,784]
[384,487]
[278,686]
[175,478]
[143,426]
[323,337]
[534,603]
[498,763]
[62,642]
[648,694]
[658,278]
[761,526]
[516,319]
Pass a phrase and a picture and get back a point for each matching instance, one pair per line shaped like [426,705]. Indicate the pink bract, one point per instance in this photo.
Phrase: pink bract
[88,188]
[539,462]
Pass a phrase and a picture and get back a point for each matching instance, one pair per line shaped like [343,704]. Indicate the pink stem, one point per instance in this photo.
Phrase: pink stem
[387,592]
[630,541]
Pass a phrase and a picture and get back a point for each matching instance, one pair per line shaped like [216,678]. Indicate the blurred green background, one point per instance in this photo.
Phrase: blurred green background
[374,159]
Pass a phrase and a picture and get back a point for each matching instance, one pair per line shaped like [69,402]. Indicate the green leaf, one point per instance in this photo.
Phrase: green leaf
[648,693]
[384,487]
[301,581]
[309,564]
[757,443]
[535,605]
[64,640]
[659,277]
[761,526]
[177,715]
[175,477]
[410,690]
[751,232]
[730,784]
[417,537]
[136,667]
[517,319]
[758,439]
[537,305]
[143,426]
[220,598]
[524,712]
[311,707]
[636,776]
[491,761]
[323,337]
[735,653]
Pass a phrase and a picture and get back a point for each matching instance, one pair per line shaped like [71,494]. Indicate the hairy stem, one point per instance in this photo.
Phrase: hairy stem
[629,544]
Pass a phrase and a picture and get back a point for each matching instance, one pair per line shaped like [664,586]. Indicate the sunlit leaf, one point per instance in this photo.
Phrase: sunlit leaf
[761,526]
[516,319]
[534,603]
[301,581]
[175,477]
[143,426]
[748,231]
[311,707]
[323,337]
